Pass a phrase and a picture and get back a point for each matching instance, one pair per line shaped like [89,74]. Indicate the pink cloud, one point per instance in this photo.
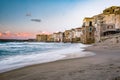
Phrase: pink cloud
[7,33]
[0,34]
[21,35]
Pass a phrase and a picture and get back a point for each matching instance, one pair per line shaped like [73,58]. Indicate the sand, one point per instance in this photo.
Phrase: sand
[105,65]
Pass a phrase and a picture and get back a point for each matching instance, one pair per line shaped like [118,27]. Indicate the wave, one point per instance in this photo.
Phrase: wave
[63,51]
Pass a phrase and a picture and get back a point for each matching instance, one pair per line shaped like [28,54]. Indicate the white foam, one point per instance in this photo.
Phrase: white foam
[14,62]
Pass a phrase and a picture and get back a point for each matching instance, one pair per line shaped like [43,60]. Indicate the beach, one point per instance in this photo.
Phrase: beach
[105,65]
[14,55]
[59,40]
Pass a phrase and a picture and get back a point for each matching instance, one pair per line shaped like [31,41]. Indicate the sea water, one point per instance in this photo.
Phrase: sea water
[19,54]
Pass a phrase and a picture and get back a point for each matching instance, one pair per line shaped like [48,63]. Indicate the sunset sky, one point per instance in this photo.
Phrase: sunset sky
[22,19]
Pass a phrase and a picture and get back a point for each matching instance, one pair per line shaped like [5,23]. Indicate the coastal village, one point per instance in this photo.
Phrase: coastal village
[89,51]
[94,29]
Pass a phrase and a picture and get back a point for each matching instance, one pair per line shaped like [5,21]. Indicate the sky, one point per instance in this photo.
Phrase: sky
[23,19]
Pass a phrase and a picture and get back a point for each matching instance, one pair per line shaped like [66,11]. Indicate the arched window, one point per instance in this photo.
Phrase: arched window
[111,27]
[90,29]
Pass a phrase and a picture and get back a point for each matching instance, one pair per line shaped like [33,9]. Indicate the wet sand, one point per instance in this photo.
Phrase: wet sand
[105,65]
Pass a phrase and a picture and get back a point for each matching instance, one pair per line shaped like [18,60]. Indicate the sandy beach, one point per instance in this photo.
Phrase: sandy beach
[105,65]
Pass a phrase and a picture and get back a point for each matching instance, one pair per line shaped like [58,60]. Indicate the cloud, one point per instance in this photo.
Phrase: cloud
[9,35]
[0,34]
[28,14]
[23,34]
[60,21]
[36,20]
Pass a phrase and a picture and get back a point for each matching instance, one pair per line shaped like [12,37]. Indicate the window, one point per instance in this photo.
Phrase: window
[84,24]
[113,10]
[90,34]
[110,27]
[107,10]
[90,23]
[90,29]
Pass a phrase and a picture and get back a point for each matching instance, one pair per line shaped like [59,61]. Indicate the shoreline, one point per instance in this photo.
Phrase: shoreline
[69,56]
[61,54]
[40,64]
[105,65]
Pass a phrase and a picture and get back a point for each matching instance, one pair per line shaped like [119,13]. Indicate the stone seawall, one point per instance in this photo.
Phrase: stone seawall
[111,41]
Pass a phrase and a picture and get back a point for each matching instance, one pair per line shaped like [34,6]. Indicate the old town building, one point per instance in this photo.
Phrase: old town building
[58,37]
[107,23]
[76,34]
[88,31]
[93,28]
[67,36]
[41,37]
[50,38]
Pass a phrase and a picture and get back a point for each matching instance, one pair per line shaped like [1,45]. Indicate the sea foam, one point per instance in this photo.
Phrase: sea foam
[40,53]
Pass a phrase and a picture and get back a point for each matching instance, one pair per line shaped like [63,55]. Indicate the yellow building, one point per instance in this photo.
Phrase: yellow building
[76,34]
[112,10]
[88,31]
[112,16]
[58,37]
[50,38]
[67,36]
[107,23]
[41,37]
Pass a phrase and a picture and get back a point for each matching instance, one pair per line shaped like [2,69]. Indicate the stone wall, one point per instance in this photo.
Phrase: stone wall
[111,39]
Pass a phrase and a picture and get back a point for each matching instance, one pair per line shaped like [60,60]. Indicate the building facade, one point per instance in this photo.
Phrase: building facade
[87,31]
[93,28]
[41,38]
[58,37]
[50,38]
[76,34]
[107,23]
[67,36]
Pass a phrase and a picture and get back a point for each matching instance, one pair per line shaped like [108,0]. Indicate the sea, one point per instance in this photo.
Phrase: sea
[15,55]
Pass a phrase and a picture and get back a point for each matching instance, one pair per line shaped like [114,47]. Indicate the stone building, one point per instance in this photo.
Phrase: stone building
[41,37]
[54,35]
[88,31]
[107,23]
[76,34]
[112,16]
[67,36]
[99,26]
[50,38]
[93,28]
[58,37]
[73,35]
